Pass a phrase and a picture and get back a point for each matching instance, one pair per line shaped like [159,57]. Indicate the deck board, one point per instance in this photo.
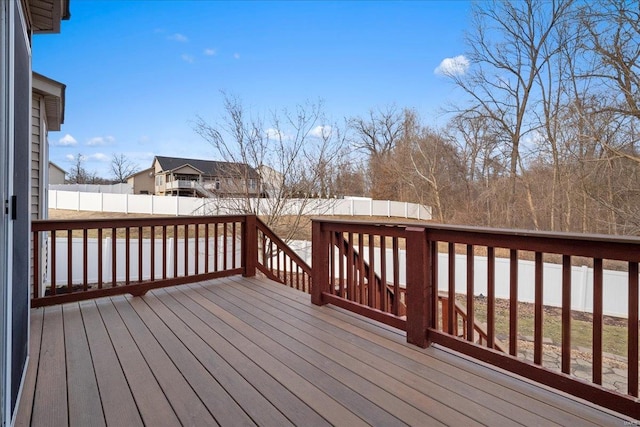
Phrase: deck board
[247,351]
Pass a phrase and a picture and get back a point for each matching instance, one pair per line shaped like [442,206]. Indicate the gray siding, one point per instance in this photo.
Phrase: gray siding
[36,161]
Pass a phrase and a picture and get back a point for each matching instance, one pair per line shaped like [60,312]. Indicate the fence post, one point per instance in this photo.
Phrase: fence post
[319,263]
[419,287]
[250,246]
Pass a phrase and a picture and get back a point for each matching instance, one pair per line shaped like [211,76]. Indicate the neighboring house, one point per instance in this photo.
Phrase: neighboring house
[204,178]
[47,114]
[19,20]
[272,181]
[56,174]
[142,182]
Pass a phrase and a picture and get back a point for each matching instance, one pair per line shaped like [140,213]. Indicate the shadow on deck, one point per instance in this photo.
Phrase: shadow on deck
[245,351]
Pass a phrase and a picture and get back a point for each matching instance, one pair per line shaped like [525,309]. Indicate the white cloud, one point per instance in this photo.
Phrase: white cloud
[236,56]
[101,157]
[144,139]
[187,58]
[320,131]
[455,66]
[209,52]
[70,157]
[275,134]
[67,140]
[100,140]
[178,38]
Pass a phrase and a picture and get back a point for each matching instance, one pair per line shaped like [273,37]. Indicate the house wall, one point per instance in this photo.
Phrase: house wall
[143,182]
[56,175]
[38,154]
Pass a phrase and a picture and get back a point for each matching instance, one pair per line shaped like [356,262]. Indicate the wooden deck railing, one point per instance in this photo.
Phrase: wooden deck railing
[340,278]
[278,262]
[93,258]
[115,256]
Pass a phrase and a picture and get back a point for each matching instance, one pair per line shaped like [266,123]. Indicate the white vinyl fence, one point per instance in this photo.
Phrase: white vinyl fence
[120,188]
[615,282]
[163,205]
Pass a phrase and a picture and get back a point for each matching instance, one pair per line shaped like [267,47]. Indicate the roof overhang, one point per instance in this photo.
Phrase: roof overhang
[45,15]
[53,94]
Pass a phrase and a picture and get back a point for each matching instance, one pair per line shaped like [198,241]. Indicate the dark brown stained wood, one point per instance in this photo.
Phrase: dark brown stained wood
[538,310]
[513,302]
[305,390]
[597,320]
[50,402]
[184,401]
[69,261]
[431,393]
[207,373]
[566,314]
[491,296]
[502,386]
[117,402]
[83,394]
[632,347]
[470,293]
[152,403]
[252,387]
[451,293]
[23,418]
[296,356]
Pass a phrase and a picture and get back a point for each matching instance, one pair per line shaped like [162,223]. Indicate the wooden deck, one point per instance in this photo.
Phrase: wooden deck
[246,351]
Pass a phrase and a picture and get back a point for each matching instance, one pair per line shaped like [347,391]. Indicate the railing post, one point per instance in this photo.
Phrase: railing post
[319,263]
[419,287]
[250,246]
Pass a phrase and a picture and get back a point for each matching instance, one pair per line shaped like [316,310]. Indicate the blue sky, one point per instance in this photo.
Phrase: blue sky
[139,72]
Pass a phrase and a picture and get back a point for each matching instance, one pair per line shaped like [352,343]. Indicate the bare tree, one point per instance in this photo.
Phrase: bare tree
[507,53]
[292,151]
[122,167]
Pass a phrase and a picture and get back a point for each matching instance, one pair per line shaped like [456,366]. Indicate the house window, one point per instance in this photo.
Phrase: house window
[158,180]
[252,184]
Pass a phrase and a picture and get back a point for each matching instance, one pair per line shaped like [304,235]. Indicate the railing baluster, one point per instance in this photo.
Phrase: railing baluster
[361,268]
[196,258]
[85,259]
[139,254]
[164,251]
[351,295]
[451,297]
[186,250]
[538,310]
[491,297]
[100,258]
[215,247]
[597,320]
[341,284]
[114,263]
[70,260]
[233,245]
[36,264]
[396,276]
[225,246]
[127,255]
[470,320]
[371,281]
[566,314]
[513,302]
[152,251]
[434,281]
[384,306]
[53,263]
[206,248]
[175,251]
[632,339]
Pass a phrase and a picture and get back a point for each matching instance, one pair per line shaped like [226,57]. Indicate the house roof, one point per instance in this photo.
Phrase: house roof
[45,15]
[148,171]
[207,167]
[53,93]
